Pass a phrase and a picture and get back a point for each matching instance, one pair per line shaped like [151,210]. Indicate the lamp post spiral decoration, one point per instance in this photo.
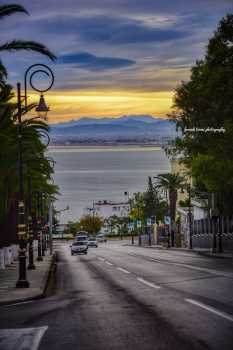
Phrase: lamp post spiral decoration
[42,110]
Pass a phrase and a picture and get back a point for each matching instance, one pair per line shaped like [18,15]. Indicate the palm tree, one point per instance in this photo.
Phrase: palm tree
[40,169]
[35,163]
[170,184]
[7,10]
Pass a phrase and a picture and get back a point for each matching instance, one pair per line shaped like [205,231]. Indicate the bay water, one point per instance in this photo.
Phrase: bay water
[87,174]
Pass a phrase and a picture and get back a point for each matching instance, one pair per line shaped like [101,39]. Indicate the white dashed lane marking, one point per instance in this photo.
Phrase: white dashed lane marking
[21,303]
[211,309]
[108,263]
[147,283]
[21,338]
[123,270]
[101,259]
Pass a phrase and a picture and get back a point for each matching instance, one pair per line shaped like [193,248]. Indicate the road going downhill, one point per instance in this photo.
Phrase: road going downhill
[122,297]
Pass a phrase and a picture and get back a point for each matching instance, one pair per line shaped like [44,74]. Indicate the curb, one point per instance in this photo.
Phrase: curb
[48,273]
[213,256]
[43,289]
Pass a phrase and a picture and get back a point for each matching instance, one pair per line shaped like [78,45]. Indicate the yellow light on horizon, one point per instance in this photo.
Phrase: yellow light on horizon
[66,105]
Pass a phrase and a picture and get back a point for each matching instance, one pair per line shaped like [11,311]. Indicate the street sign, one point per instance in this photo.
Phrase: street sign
[131,226]
[153,219]
[139,223]
[167,220]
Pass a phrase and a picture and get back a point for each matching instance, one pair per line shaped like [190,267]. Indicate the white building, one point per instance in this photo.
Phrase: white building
[200,209]
[105,209]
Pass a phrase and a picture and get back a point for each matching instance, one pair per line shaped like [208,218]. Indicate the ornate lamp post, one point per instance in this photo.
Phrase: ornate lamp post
[39,229]
[138,228]
[126,194]
[41,108]
[31,265]
[188,188]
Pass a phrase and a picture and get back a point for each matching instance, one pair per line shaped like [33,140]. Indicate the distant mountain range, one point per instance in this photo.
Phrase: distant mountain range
[127,127]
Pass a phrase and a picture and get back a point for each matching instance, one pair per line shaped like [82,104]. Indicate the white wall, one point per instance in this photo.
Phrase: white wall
[199,213]
[108,209]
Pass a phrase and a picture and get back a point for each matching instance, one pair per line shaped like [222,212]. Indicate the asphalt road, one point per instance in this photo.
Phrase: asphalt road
[121,298]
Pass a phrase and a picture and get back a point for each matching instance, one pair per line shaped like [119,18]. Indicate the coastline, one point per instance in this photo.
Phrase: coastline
[104,148]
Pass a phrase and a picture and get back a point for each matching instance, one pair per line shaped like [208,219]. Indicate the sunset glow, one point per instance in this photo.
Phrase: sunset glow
[73,105]
[114,58]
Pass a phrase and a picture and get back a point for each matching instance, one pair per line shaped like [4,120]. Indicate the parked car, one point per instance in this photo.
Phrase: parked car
[79,247]
[92,242]
[101,238]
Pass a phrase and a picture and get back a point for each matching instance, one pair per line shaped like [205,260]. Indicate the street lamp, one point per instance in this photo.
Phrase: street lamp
[22,234]
[168,225]
[190,218]
[42,108]
[93,218]
[59,212]
[39,228]
[190,215]
[129,202]
[138,228]
[31,265]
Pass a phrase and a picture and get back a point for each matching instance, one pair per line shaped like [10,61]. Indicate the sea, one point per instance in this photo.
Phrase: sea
[87,174]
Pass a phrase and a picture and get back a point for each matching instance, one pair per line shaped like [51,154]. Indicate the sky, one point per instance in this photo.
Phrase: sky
[115,57]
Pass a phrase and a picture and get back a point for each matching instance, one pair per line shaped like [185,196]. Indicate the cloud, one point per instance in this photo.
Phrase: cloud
[121,6]
[112,29]
[95,39]
[123,30]
[88,61]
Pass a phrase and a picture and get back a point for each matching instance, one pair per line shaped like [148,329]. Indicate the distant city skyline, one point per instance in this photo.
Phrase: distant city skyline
[114,57]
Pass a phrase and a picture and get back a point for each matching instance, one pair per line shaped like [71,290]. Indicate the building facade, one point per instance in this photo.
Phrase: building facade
[105,209]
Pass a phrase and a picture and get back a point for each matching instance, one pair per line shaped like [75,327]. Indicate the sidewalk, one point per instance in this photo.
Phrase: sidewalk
[206,252]
[200,251]
[38,279]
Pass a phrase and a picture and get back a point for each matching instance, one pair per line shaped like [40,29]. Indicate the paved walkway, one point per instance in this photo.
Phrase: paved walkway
[38,279]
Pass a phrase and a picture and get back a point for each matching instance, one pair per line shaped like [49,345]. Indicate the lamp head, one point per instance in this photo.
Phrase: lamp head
[42,108]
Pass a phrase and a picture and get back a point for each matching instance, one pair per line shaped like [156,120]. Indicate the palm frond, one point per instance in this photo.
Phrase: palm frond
[9,9]
[3,71]
[36,123]
[27,45]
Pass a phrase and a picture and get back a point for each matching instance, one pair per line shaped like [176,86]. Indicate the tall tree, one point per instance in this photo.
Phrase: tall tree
[205,105]
[91,223]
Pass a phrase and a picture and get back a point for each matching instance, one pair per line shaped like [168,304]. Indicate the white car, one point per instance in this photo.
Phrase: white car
[81,238]
[101,238]
[79,247]
[92,242]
